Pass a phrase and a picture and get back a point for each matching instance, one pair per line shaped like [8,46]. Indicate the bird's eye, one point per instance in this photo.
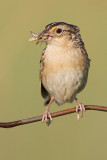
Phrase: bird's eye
[59,30]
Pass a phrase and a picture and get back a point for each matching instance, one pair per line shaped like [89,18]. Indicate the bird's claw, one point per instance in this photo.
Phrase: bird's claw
[47,117]
[80,107]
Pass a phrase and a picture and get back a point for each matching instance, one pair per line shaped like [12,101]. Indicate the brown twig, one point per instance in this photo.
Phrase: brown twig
[55,114]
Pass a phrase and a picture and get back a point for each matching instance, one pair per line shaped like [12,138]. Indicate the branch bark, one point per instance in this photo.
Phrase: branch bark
[55,114]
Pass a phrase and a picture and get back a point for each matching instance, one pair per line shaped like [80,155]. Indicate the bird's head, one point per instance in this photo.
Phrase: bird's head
[57,31]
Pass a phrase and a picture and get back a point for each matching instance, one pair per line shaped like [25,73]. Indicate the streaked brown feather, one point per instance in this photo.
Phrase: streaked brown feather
[44,92]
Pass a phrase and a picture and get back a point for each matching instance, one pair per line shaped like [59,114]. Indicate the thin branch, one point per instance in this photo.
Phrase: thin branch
[55,114]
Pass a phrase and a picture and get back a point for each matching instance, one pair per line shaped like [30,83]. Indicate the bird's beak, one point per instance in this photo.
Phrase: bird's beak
[42,37]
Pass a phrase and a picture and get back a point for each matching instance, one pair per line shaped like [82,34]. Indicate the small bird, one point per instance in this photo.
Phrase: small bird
[64,66]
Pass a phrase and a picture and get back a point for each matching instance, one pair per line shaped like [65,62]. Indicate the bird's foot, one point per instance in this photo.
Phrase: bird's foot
[80,107]
[47,117]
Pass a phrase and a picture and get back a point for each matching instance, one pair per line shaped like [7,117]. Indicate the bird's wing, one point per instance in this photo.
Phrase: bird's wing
[44,92]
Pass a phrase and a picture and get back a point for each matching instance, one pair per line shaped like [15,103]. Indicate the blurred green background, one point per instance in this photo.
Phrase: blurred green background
[67,138]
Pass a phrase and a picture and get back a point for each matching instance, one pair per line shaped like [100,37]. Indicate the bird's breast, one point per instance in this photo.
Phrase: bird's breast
[58,59]
[64,73]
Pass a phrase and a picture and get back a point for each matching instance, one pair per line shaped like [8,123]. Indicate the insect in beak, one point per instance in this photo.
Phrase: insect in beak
[42,37]
[34,37]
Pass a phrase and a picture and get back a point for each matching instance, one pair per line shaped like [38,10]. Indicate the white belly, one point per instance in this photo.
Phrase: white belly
[64,85]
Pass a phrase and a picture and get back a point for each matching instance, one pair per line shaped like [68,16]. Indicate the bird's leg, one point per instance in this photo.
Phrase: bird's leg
[79,107]
[47,116]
